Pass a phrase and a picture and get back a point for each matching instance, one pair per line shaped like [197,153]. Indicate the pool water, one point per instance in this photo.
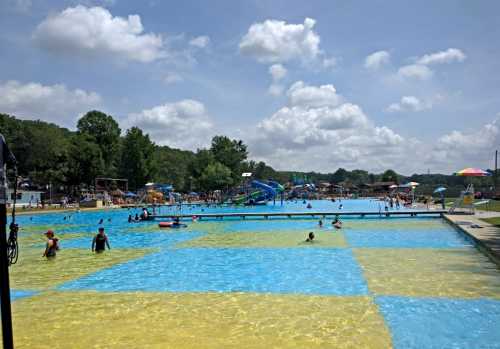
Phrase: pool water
[376,283]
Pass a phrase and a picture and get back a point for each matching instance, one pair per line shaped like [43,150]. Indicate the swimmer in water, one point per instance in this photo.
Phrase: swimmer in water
[310,237]
[340,206]
[52,245]
[100,242]
[309,205]
[320,223]
[100,221]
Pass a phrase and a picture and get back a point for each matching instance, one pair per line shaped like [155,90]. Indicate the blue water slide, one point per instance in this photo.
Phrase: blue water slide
[276,186]
[270,191]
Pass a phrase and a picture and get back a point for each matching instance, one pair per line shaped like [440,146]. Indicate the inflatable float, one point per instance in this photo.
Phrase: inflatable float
[171,225]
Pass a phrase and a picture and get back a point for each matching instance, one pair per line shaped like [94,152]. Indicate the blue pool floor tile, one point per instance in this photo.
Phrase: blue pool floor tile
[438,238]
[136,240]
[442,323]
[264,270]
[17,294]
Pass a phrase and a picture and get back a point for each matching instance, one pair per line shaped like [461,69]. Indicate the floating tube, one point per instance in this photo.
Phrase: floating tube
[171,225]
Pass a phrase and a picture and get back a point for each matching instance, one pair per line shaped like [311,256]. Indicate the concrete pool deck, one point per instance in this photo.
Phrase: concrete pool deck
[487,237]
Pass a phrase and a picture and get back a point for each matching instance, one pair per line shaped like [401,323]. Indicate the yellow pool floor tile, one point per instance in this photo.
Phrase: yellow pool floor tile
[197,320]
[268,239]
[30,239]
[461,273]
[43,228]
[34,272]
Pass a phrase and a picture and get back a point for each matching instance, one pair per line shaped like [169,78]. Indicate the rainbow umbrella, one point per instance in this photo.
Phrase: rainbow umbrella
[411,185]
[472,172]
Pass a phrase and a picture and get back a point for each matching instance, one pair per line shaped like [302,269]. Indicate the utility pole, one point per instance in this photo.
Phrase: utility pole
[5,157]
[495,181]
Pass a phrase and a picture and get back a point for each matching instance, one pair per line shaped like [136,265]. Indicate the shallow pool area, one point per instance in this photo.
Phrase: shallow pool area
[378,282]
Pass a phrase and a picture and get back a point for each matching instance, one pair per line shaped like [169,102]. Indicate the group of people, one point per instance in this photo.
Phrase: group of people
[145,216]
[336,223]
[99,243]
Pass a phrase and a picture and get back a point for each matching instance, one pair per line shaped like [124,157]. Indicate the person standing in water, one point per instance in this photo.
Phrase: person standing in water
[52,245]
[100,242]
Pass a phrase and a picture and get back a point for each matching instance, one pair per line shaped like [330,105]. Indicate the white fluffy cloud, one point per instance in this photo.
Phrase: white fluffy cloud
[200,41]
[183,124]
[300,94]
[318,130]
[459,149]
[415,71]
[277,71]
[409,103]
[448,56]
[420,70]
[54,103]
[274,41]
[377,59]
[94,30]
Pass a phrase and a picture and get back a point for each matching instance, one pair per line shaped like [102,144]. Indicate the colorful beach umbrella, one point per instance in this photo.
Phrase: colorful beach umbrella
[472,172]
[439,190]
[411,185]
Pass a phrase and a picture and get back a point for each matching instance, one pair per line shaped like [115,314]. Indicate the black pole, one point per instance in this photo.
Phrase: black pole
[8,342]
[496,172]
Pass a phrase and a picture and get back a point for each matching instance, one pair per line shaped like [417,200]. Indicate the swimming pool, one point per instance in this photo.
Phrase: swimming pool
[376,283]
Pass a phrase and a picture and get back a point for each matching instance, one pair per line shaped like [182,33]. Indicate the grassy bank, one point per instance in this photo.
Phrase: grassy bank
[494,221]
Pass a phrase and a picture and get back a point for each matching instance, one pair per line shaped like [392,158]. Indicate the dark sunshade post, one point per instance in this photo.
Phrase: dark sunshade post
[5,156]
[4,282]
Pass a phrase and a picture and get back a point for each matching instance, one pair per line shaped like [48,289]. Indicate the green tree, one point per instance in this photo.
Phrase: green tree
[200,161]
[215,176]
[137,160]
[390,176]
[340,175]
[230,153]
[85,161]
[41,148]
[173,167]
[106,133]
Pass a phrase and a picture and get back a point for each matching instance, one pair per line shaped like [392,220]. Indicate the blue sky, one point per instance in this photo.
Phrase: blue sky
[316,85]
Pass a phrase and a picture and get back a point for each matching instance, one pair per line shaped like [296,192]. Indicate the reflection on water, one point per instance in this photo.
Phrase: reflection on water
[257,283]
[208,320]
[463,273]
[35,272]
[323,238]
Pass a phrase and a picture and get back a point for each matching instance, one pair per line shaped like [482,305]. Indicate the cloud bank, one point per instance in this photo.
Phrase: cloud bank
[53,103]
[95,31]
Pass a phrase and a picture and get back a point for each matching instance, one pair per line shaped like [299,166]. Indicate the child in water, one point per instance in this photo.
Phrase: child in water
[337,224]
[310,237]
[52,245]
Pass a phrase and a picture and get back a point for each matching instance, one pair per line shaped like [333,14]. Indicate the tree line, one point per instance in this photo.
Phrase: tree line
[47,153]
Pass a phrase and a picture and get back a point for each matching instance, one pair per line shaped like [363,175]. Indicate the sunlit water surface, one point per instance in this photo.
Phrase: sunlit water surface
[376,283]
